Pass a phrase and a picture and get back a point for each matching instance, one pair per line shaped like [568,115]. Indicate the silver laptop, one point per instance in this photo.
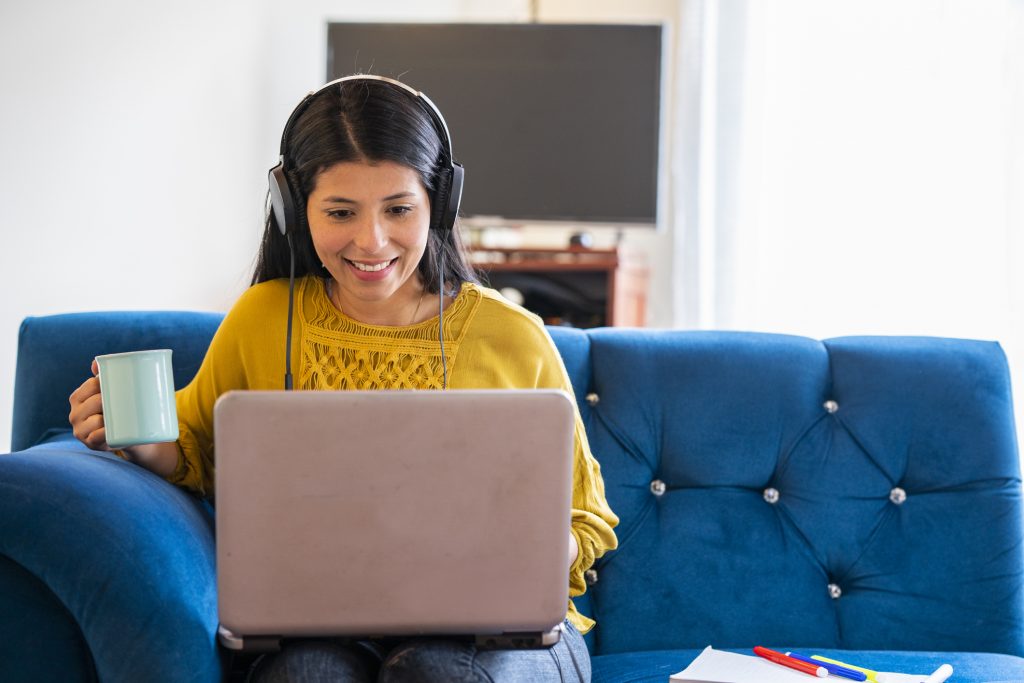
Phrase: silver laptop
[393,513]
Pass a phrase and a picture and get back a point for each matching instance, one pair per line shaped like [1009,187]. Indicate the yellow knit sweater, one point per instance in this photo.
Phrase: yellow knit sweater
[489,343]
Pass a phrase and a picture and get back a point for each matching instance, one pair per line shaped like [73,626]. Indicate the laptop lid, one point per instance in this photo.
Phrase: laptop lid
[382,513]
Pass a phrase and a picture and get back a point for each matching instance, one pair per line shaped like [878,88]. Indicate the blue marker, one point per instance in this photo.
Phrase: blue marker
[830,667]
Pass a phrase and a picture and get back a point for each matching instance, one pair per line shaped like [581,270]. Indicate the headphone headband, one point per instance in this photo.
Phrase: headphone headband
[435,114]
[447,195]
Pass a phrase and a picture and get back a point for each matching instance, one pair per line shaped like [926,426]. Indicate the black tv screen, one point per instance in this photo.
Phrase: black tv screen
[552,122]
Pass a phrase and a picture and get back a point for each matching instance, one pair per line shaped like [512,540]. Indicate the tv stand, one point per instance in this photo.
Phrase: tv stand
[575,286]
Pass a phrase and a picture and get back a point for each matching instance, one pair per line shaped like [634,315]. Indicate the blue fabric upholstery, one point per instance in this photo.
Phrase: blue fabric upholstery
[130,559]
[720,418]
[35,625]
[753,474]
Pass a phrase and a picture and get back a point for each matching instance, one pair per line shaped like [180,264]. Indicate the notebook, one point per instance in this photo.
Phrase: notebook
[719,666]
[393,513]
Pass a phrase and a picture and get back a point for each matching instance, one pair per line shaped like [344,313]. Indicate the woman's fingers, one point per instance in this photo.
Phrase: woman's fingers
[85,400]
[86,415]
[91,432]
[88,388]
[93,404]
[80,393]
[97,441]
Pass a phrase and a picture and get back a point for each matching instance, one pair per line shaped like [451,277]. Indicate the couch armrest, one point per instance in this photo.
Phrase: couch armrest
[55,351]
[130,556]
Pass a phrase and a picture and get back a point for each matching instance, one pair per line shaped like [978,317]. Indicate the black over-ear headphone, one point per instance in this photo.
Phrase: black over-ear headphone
[445,198]
[444,202]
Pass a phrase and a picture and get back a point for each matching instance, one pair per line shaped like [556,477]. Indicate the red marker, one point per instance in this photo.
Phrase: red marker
[779,658]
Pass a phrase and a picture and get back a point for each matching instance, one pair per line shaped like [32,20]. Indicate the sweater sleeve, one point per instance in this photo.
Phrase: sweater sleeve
[592,518]
[245,350]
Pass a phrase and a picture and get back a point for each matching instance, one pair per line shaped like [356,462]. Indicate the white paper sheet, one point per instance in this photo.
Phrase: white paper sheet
[716,666]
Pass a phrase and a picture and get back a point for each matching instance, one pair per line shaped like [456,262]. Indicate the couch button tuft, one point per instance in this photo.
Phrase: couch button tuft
[830,406]
[593,399]
[590,576]
[771,495]
[658,487]
[898,496]
[834,591]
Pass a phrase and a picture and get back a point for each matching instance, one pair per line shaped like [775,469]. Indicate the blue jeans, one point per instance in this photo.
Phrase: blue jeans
[422,661]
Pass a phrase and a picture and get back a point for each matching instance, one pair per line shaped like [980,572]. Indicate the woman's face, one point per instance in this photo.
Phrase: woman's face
[369,223]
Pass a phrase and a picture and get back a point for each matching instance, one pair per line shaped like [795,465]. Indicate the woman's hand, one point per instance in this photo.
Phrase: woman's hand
[86,415]
[86,420]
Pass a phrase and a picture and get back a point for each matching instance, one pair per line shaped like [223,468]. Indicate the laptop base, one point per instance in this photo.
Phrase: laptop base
[519,641]
[500,641]
[238,643]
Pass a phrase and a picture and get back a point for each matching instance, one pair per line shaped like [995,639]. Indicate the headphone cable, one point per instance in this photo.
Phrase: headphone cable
[291,303]
[440,323]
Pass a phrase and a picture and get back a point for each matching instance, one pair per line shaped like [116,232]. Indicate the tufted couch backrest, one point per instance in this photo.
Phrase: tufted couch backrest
[857,493]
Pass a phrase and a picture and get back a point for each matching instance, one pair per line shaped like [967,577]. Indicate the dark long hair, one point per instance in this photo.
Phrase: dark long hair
[361,121]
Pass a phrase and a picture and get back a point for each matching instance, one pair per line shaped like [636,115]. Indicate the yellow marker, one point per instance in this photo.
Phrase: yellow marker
[872,675]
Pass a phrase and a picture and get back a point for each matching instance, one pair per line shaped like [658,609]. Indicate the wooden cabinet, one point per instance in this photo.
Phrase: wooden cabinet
[578,287]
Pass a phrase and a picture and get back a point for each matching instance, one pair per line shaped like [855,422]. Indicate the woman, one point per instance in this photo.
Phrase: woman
[384,298]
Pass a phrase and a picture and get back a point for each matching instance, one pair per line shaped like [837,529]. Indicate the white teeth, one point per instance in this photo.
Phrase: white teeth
[371,269]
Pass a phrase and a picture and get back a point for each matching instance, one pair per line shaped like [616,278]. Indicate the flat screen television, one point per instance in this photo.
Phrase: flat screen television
[552,122]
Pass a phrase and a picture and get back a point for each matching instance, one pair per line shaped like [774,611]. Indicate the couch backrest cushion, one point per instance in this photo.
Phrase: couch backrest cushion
[859,493]
[55,353]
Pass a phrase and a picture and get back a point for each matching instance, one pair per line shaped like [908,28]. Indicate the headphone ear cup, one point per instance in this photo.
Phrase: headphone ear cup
[439,200]
[281,199]
[454,195]
[447,198]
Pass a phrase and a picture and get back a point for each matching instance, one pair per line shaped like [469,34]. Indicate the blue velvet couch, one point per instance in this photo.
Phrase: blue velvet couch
[859,497]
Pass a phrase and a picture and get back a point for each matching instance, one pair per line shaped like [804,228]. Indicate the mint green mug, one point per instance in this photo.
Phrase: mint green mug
[138,397]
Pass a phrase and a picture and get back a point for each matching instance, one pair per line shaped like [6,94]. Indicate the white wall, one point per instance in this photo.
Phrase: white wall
[132,169]
[137,136]
[881,190]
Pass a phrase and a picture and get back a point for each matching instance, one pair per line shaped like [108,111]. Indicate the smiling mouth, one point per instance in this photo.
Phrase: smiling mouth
[372,267]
